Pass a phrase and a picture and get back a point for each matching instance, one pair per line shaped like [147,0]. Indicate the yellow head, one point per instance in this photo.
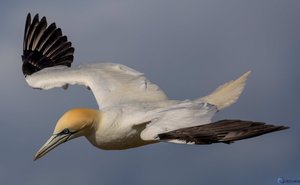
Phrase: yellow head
[74,123]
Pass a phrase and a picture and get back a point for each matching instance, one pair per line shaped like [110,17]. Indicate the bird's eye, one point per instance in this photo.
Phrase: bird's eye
[65,131]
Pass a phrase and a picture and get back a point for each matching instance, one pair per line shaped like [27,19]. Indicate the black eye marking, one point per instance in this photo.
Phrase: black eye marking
[65,131]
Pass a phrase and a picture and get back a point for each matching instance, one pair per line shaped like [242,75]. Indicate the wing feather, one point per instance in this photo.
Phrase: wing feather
[31,31]
[27,25]
[224,131]
[44,46]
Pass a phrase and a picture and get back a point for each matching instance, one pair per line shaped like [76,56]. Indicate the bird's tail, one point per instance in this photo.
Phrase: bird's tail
[228,93]
[224,131]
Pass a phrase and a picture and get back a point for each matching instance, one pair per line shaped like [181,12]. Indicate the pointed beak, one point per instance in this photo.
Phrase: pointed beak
[53,142]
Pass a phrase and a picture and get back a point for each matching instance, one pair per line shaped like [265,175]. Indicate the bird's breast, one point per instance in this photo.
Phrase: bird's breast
[117,130]
[117,139]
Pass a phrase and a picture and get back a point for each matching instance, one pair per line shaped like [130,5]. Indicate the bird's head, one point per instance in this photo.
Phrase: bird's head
[74,123]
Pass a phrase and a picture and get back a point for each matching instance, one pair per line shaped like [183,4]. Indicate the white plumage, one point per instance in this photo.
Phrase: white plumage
[132,110]
[132,99]
[110,83]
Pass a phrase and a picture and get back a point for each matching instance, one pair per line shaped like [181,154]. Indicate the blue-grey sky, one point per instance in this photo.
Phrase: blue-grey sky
[186,47]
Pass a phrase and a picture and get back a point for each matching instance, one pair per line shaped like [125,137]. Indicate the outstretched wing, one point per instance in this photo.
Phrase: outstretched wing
[110,83]
[46,64]
[44,46]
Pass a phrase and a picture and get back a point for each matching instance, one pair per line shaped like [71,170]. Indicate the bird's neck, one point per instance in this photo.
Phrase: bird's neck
[93,120]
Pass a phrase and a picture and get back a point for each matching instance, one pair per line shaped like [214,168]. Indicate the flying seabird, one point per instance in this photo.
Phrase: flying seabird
[132,110]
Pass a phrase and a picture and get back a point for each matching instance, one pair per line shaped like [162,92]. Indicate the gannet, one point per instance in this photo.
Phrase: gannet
[132,110]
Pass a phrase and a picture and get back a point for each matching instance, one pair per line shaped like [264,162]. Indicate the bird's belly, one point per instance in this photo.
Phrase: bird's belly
[118,140]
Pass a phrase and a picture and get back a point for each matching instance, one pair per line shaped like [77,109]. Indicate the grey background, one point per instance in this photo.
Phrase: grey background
[186,47]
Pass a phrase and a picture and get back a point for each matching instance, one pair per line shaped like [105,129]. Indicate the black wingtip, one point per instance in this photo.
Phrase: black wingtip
[284,127]
[224,131]
[43,46]
[28,18]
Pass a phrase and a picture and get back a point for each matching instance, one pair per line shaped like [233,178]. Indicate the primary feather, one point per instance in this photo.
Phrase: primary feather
[44,46]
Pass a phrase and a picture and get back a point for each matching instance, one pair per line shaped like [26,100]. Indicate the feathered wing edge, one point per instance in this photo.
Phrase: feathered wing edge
[224,131]
[44,46]
[228,93]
